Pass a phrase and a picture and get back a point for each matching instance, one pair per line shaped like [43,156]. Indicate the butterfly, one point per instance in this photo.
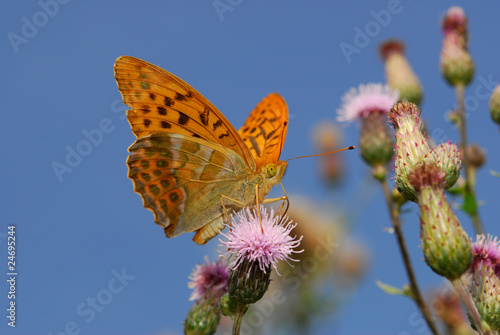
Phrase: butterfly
[189,163]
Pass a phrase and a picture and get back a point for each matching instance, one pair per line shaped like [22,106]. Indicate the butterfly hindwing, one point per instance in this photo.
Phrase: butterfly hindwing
[181,178]
[162,102]
[265,129]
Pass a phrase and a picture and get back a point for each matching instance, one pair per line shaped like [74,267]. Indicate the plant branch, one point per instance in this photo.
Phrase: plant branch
[469,170]
[396,224]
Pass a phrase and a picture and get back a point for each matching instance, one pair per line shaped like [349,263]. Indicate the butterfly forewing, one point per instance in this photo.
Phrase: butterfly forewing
[265,129]
[162,102]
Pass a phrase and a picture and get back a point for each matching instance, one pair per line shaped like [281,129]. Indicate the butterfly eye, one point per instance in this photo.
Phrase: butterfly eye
[271,170]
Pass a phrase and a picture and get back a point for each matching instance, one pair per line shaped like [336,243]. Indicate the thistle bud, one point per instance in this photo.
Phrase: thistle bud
[413,148]
[495,104]
[411,145]
[376,142]
[247,283]
[203,317]
[445,244]
[483,279]
[398,72]
[476,155]
[228,306]
[448,159]
[456,64]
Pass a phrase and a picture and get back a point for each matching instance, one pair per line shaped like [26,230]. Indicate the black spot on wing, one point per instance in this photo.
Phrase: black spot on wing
[223,135]
[183,118]
[180,97]
[162,110]
[165,125]
[217,124]
[204,116]
[168,102]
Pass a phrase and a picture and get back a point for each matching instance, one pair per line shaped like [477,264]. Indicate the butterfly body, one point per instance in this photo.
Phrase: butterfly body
[188,161]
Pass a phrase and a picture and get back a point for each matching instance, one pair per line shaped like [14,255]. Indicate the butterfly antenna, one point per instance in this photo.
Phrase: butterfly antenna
[325,153]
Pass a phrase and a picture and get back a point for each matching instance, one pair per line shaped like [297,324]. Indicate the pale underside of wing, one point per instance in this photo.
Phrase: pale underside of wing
[181,179]
[265,129]
[162,102]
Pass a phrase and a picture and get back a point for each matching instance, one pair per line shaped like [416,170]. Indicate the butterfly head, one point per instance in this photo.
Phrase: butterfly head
[274,172]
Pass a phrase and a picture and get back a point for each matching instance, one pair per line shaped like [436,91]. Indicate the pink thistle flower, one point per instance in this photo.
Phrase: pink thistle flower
[249,241]
[486,250]
[208,278]
[359,103]
[454,20]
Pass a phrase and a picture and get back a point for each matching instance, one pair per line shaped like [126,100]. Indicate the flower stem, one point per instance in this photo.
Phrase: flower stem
[469,170]
[471,307]
[238,317]
[396,224]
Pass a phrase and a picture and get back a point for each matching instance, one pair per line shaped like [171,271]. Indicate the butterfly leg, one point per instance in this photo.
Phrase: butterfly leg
[226,214]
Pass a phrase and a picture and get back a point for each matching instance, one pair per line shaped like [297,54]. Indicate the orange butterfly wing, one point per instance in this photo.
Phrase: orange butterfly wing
[265,129]
[162,102]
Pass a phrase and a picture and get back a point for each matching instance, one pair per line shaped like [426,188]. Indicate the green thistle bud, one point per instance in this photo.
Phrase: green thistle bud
[228,306]
[485,291]
[448,159]
[446,246]
[456,64]
[411,145]
[399,74]
[247,283]
[376,142]
[495,105]
[203,317]
[483,279]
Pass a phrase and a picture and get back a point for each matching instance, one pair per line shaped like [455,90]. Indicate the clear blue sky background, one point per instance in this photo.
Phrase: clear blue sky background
[73,233]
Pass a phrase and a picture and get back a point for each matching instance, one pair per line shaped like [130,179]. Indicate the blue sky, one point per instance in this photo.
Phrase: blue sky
[86,231]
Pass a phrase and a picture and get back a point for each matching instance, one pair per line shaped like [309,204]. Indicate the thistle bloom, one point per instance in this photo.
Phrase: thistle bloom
[266,244]
[209,284]
[359,103]
[483,279]
[398,72]
[257,245]
[445,244]
[370,104]
[208,278]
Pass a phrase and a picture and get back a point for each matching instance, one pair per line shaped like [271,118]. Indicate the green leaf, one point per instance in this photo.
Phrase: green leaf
[469,206]
[405,291]
[456,190]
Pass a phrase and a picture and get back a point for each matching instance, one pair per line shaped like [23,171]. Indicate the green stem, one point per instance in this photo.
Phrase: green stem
[396,224]
[240,311]
[469,170]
